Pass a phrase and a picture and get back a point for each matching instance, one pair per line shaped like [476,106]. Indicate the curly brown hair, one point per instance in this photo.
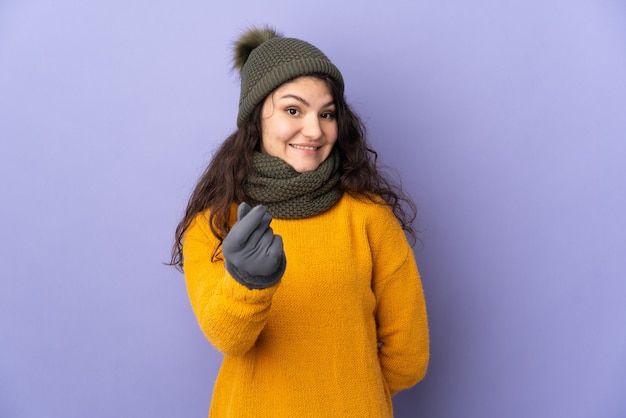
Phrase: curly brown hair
[221,184]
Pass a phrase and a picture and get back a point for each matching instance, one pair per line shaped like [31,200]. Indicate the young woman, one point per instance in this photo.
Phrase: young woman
[294,250]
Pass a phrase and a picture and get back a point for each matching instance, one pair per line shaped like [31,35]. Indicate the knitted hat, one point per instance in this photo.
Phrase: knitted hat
[266,60]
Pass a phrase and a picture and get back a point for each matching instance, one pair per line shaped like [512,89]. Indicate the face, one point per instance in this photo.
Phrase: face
[299,124]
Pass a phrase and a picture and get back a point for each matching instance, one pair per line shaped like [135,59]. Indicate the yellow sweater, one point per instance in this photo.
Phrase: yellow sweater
[343,331]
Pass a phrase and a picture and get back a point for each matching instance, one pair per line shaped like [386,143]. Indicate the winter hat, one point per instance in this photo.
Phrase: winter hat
[265,60]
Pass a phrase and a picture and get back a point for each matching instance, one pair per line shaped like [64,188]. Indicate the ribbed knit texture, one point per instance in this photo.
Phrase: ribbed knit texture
[275,62]
[308,346]
[288,194]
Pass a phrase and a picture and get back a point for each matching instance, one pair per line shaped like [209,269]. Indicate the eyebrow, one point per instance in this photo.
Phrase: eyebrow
[300,99]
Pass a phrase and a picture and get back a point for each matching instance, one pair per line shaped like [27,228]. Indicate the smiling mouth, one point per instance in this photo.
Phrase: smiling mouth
[304,147]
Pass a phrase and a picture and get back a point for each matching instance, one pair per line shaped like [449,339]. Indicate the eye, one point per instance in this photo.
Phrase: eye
[328,115]
[292,111]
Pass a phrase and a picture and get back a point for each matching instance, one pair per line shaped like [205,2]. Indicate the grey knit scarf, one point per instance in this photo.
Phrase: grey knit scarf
[288,194]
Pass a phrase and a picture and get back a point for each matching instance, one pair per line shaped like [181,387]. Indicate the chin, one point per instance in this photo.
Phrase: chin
[303,166]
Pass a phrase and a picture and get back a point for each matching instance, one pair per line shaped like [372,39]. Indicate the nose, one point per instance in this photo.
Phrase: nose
[311,127]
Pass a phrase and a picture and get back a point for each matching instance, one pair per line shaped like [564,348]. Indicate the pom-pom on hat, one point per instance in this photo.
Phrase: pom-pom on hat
[265,60]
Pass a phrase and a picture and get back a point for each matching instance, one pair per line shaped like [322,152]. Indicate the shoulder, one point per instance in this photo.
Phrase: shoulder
[370,208]
[376,218]
[373,216]
[198,229]
[200,224]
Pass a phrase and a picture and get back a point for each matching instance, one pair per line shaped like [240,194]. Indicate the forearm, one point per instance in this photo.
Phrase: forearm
[402,328]
[403,370]
[232,317]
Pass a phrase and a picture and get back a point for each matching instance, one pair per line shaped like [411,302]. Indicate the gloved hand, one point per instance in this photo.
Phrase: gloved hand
[254,254]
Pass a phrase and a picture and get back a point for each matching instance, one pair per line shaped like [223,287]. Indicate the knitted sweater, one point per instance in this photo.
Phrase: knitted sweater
[343,331]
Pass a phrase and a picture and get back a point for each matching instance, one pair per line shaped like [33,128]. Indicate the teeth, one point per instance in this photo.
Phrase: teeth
[304,147]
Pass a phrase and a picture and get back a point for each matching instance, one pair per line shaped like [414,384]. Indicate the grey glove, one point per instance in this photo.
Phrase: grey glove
[254,254]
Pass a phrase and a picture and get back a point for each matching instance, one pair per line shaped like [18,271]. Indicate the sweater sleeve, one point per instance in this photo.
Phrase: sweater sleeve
[230,315]
[402,324]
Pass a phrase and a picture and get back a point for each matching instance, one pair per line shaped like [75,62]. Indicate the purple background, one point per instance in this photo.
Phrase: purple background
[505,120]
